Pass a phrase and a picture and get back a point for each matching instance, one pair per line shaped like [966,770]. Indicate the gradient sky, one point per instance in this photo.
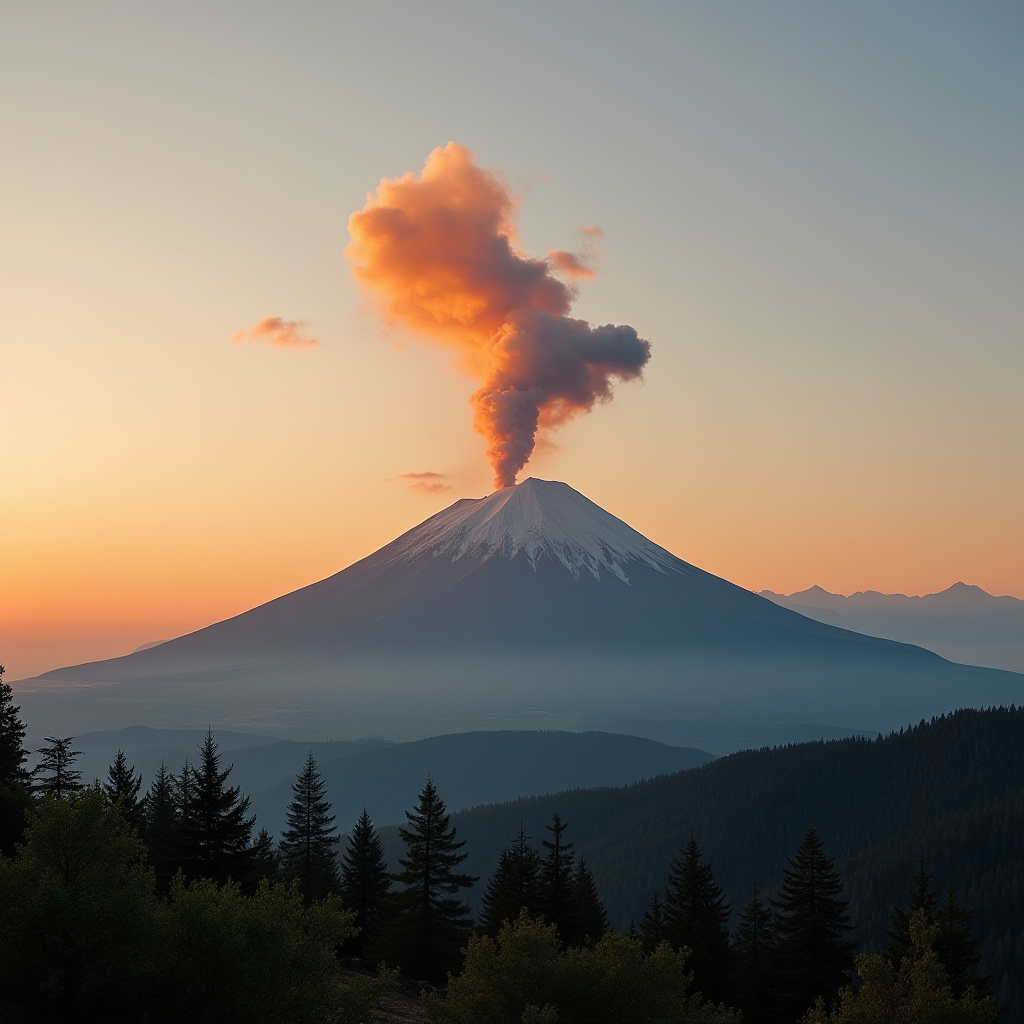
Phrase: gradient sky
[814,212]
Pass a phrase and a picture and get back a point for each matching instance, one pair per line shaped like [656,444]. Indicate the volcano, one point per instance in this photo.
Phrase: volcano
[532,601]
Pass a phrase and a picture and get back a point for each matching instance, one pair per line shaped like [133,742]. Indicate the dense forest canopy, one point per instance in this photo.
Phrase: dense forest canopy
[820,883]
[950,790]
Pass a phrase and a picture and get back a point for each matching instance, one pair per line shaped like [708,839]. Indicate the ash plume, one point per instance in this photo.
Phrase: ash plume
[439,252]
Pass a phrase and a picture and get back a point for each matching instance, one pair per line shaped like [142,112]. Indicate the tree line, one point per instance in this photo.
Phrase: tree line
[190,897]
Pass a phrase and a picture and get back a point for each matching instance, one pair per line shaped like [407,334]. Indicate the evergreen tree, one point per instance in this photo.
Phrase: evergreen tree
[923,898]
[814,957]
[696,917]
[124,785]
[590,912]
[185,806]
[215,829]
[364,881]
[13,754]
[498,900]
[15,780]
[426,925]
[956,947]
[307,844]
[265,861]
[555,890]
[754,951]
[513,886]
[526,872]
[162,826]
[56,768]
[653,931]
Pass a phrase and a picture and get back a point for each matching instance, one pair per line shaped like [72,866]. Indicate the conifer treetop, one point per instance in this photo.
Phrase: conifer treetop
[13,754]
[59,777]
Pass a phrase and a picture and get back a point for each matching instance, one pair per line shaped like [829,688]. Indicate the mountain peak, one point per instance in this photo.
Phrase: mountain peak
[534,519]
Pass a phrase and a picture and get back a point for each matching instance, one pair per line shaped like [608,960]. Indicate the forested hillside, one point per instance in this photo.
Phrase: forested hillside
[950,791]
[470,768]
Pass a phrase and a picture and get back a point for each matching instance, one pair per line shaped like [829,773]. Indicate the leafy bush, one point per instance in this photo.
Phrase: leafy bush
[83,936]
[526,978]
[77,914]
[917,991]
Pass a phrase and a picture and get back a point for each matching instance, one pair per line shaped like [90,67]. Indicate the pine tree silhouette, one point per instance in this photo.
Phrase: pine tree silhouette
[307,844]
[652,928]
[123,784]
[590,912]
[163,839]
[814,956]
[185,804]
[922,897]
[512,887]
[15,780]
[696,917]
[425,925]
[215,829]
[754,959]
[56,769]
[265,861]
[13,754]
[498,900]
[364,881]
[555,889]
[956,947]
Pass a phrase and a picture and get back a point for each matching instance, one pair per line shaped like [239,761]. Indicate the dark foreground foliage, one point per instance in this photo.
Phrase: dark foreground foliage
[84,936]
[914,990]
[950,791]
[526,977]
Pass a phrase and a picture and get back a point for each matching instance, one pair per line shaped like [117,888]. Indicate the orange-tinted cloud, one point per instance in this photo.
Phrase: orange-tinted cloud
[276,331]
[571,264]
[593,230]
[425,483]
[438,250]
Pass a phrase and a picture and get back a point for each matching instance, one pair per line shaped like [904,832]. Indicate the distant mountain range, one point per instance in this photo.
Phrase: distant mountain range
[963,623]
[530,606]
[385,777]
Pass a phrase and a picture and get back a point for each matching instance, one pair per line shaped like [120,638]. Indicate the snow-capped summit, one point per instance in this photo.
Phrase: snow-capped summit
[535,518]
[535,571]
[530,601]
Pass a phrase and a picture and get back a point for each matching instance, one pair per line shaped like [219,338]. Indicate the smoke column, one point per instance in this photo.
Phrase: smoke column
[438,250]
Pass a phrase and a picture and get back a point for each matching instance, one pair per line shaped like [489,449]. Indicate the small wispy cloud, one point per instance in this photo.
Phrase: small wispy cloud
[277,331]
[571,264]
[583,262]
[425,483]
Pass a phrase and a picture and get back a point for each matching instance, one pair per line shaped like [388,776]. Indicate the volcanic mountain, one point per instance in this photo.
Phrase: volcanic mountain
[530,601]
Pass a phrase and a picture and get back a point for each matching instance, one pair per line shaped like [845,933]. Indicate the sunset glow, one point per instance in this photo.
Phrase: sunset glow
[815,223]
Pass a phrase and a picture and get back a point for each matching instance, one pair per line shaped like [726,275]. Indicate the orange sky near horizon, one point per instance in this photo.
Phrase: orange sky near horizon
[816,220]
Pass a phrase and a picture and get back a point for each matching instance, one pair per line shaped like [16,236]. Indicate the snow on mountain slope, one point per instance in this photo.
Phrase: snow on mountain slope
[537,518]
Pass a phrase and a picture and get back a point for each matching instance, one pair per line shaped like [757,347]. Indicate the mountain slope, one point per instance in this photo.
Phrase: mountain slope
[470,768]
[951,790]
[533,565]
[530,602]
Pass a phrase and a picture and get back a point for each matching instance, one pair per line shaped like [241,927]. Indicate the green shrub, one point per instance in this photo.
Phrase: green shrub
[525,976]
[918,991]
[77,915]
